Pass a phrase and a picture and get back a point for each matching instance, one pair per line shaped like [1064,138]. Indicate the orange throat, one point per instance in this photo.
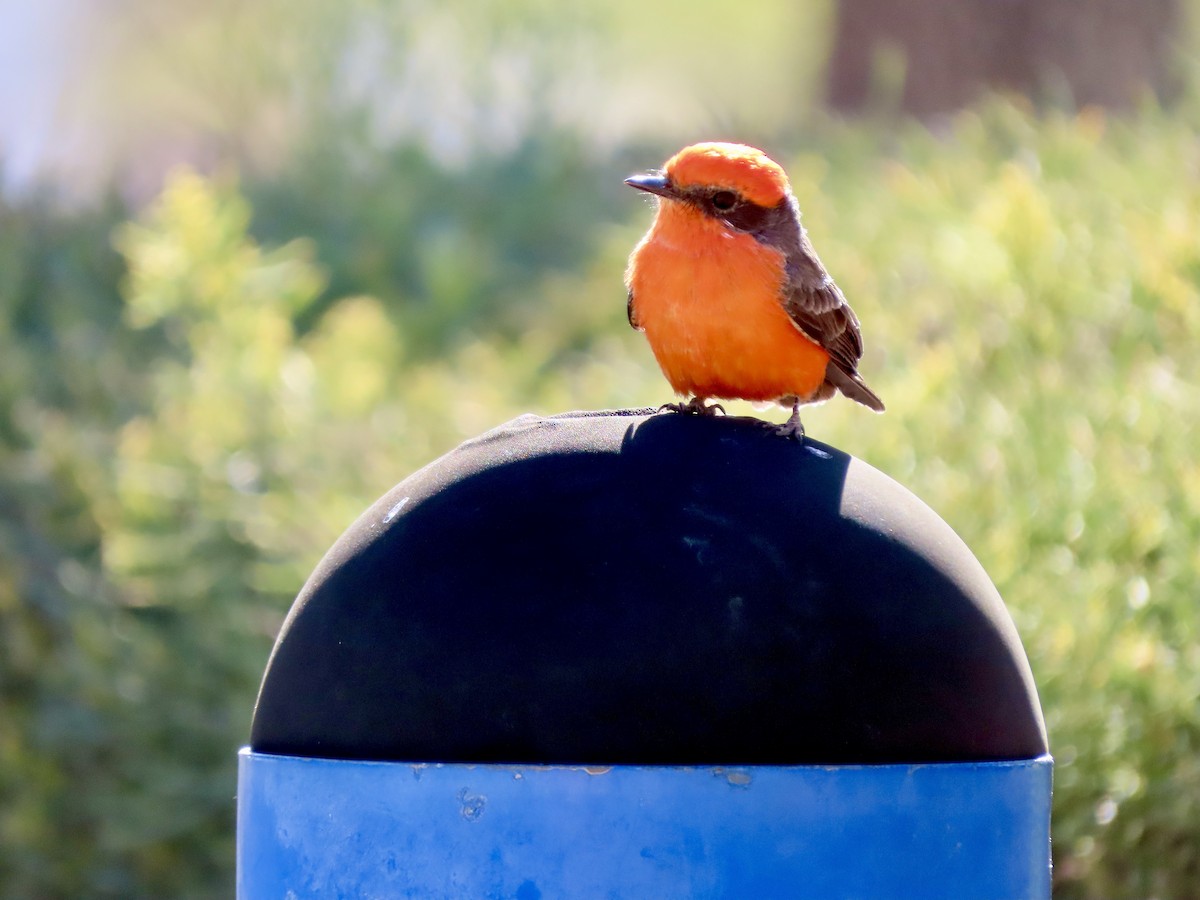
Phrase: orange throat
[710,301]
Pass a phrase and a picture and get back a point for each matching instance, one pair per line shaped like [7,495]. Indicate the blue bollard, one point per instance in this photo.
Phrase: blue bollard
[335,828]
[646,656]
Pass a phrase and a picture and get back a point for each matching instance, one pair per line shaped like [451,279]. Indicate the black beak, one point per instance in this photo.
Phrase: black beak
[652,183]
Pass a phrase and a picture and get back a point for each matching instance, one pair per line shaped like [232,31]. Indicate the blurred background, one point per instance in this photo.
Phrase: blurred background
[259,260]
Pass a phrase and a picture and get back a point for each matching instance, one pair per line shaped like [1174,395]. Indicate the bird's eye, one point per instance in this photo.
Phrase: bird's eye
[724,200]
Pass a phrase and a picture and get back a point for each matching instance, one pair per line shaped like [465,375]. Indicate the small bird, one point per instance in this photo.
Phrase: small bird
[730,293]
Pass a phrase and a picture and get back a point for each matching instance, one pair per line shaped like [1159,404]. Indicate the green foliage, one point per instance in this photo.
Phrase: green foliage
[62,382]
[179,453]
[1029,290]
[457,79]
[399,226]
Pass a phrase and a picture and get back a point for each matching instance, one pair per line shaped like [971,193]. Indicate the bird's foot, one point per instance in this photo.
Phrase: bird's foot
[694,407]
[793,428]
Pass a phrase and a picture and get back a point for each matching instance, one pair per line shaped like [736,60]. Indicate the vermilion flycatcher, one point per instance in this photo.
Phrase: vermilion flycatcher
[730,293]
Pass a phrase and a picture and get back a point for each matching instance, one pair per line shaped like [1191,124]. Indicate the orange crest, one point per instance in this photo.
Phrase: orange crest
[737,167]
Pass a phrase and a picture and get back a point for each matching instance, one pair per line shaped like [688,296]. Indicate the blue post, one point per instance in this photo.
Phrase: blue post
[649,657]
[334,828]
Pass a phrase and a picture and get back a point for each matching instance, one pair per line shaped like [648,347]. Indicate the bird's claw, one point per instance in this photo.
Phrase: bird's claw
[793,428]
[694,407]
[788,430]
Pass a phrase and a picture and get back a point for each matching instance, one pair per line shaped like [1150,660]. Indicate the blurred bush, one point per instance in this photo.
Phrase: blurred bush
[189,419]
[452,251]
[1030,290]
[455,80]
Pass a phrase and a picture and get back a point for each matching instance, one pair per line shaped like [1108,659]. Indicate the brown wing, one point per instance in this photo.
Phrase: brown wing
[817,307]
[825,317]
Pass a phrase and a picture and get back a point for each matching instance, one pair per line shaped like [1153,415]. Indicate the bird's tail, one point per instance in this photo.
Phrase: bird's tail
[852,385]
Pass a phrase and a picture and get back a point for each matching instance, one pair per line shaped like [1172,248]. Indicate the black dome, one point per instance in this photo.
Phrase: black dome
[627,588]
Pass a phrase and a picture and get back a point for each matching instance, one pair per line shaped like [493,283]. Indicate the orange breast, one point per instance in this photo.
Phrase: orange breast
[709,301]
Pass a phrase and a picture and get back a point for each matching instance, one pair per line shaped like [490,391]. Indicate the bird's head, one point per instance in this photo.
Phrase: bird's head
[730,183]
